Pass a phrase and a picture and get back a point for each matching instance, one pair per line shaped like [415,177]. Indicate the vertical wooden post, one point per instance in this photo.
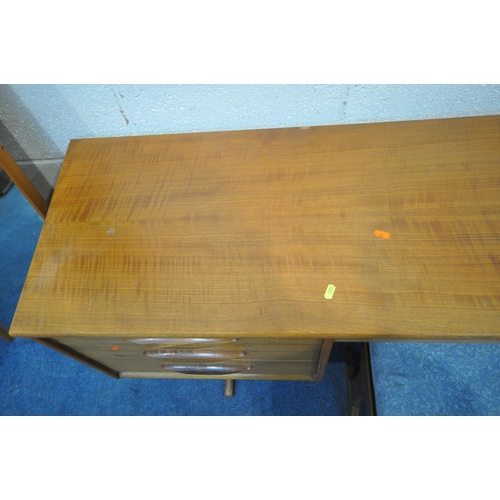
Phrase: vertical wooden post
[229,388]
[19,178]
[4,333]
[359,381]
[324,355]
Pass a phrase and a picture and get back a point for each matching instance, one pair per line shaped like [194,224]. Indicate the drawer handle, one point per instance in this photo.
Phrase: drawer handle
[206,369]
[165,341]
[193,355]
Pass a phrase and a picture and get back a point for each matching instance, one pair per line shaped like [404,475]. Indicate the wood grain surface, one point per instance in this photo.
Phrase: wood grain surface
[240,233]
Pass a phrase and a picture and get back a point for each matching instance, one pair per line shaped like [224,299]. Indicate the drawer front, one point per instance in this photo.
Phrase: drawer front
[203,358]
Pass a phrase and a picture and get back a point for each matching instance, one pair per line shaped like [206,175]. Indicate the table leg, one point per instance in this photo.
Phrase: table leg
[229,388]
[19,178]
[4,333]
[359,380]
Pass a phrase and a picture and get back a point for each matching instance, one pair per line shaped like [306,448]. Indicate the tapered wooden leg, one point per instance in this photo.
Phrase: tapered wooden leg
[359,381]
[229,388]
[4,333]
[19,178]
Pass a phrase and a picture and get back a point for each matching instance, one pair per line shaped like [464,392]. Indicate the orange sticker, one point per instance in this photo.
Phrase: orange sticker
[114,348]
[382,234]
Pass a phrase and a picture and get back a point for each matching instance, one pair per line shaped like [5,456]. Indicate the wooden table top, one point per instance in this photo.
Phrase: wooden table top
[241,233]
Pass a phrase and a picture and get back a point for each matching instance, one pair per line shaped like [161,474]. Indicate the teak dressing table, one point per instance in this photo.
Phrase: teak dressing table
[244,254]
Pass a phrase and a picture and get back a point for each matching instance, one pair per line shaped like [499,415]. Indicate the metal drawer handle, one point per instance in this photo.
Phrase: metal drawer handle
[206,369]
[184,342]
[193,355]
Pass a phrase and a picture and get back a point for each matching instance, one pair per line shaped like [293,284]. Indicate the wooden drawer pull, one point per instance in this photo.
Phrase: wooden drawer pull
[206,369]
[193,355]
[165,341]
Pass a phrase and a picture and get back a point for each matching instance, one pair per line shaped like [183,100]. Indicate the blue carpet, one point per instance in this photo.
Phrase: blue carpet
[35,380]
[20,228]
[436,379]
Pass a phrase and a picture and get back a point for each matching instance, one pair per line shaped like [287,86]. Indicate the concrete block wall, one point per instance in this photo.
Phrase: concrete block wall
[38,121]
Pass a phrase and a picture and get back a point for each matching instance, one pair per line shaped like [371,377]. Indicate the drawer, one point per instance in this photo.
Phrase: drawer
[203,358]
[269,370]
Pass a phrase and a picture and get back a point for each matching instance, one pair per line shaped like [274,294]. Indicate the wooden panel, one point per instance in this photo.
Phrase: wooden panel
[260,370]
[263,370]
[266,357]
[77,356]
[240,233]
[124,356]
[268,370]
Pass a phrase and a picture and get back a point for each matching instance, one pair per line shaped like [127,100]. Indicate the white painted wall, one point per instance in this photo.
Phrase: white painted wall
[38,121]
